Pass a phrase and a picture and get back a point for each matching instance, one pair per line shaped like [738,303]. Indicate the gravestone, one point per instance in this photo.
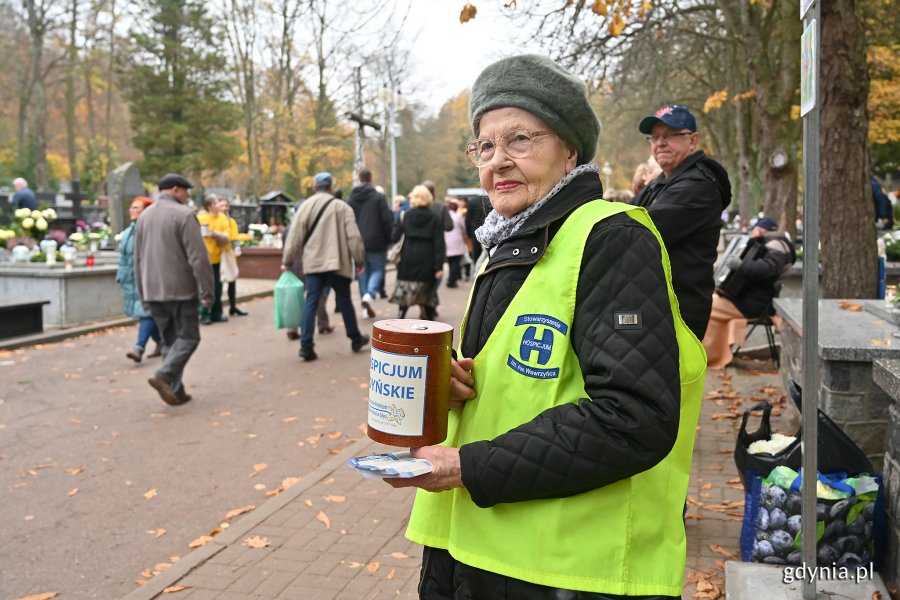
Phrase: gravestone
[122,185]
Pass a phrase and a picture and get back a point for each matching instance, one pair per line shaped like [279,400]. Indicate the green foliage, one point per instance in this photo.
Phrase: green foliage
[176,91]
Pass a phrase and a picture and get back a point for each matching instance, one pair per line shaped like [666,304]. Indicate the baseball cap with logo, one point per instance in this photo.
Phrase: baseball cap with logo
[675,116]
[766,223]
[323,179]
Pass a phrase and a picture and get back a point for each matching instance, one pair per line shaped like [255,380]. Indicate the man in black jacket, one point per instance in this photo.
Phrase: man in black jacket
[756,281]
[686,202]
[374,219]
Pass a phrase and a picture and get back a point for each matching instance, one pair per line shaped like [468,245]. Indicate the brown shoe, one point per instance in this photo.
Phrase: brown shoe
[184,397]
[329,329]
[156,352]
[164,390]
[293,335]
[134,355]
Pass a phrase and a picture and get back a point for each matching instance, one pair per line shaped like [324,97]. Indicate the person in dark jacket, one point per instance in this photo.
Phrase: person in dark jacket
[768,257]
[24,197]
[686,202]
[421,257]
[884,210]
[566,462]
[374,219]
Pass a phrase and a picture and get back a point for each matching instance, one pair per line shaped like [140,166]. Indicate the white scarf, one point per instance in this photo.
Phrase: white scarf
[497,228]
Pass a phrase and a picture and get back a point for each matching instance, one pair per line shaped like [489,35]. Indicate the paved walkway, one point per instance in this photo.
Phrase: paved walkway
[337,535]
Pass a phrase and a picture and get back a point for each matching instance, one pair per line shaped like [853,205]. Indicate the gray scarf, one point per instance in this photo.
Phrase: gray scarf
[497,228]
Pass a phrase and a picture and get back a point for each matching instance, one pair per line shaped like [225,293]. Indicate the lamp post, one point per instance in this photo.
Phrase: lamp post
[607,171]
[394,101]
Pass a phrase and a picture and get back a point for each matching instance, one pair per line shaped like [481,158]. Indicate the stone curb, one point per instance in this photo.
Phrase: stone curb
[233,534]
[59,335]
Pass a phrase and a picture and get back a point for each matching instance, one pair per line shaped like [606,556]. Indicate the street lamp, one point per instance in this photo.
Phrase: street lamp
[607,171]
[394,101]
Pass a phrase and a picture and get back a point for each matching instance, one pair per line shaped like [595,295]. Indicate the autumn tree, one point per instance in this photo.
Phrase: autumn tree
[176,90]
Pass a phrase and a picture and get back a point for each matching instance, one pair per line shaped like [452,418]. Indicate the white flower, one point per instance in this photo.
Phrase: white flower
[118,237]
[41,224]
[21,213]
[77,237]
[36,214]
[27,222]
[49,214]
[6,234]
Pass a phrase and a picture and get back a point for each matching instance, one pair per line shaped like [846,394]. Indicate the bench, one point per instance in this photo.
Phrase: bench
[23,318]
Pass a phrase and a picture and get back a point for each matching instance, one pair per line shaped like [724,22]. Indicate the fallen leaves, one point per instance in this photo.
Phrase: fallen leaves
[42,596]
[256,541]
[150,494]
[75,470]
[157,533]
[238,511]
[258,468]
[285,484]
[323,518]
[176,588]
[399,555]
[851,306]
[73,491]
[200,541]
[722,550]
[372,567]
[336,499]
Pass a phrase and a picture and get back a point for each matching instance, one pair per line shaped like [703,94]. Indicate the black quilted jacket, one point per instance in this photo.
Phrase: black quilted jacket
[629,421]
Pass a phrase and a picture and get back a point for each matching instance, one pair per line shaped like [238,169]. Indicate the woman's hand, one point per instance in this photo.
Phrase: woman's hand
[445,473]
[462,384]
[438,274]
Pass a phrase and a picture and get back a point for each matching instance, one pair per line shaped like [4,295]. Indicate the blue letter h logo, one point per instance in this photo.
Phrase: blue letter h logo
[543,345]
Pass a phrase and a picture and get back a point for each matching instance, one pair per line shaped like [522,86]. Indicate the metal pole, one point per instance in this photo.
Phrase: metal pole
[393,145]
[809,442]
[359,161]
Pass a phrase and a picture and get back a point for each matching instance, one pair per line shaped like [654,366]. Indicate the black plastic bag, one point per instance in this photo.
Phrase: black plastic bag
[838,453]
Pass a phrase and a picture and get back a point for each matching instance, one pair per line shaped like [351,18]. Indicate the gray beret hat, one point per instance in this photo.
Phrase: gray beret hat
[541,87]
[170,180]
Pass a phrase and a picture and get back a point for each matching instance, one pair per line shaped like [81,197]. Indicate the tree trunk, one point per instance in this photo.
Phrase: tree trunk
[849,253]
[70,93]
[37,27]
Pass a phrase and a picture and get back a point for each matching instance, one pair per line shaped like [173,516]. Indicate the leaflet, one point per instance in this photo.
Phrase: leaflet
[400,464]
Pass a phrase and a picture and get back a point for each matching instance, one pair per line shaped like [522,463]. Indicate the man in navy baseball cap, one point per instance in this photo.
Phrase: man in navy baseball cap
[675,116]
[685,202]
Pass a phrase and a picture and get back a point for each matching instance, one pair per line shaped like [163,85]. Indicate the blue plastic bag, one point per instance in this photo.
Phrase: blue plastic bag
[289,298]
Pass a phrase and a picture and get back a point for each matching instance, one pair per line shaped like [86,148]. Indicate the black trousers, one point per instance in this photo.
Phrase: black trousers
[445,578]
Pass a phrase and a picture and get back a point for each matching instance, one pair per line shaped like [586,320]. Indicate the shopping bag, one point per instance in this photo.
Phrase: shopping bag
[228,269]
[850,519]
[289,298]
[393,253]
[837,452]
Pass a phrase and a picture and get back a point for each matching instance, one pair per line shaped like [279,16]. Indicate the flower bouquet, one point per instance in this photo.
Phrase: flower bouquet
[29,226]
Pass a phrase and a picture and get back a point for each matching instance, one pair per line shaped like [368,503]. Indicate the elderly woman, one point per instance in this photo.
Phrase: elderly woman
[422,255]
[147,328]
[577,389]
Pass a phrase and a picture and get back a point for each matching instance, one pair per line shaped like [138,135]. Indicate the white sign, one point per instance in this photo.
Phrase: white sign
[808,58]
[397,393]
[804,6]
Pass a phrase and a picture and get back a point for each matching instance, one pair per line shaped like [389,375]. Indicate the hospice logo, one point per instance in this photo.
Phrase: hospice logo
[536,346]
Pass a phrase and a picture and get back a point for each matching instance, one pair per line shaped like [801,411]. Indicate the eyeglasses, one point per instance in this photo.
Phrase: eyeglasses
[655,139]
[515,143]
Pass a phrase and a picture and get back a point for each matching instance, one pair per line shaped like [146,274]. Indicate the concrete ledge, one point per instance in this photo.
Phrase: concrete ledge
[753,581]
[58,335]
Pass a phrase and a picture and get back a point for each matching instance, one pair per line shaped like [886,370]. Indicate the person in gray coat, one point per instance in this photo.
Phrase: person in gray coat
[173,272]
